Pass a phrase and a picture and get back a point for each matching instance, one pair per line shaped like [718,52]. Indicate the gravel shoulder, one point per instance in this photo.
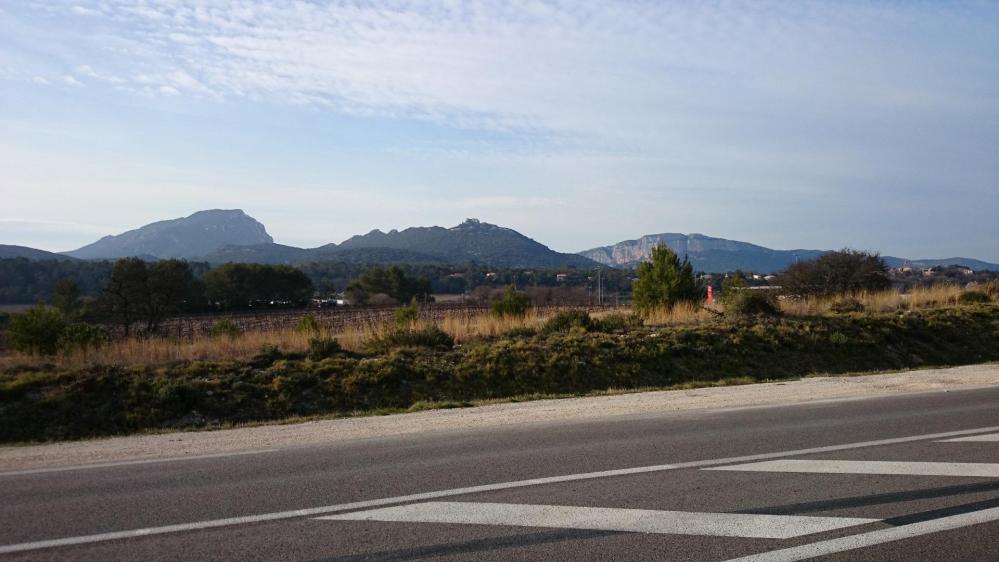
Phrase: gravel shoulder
[192,444]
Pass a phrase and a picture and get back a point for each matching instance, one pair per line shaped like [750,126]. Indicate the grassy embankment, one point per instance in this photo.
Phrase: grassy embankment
[143,385]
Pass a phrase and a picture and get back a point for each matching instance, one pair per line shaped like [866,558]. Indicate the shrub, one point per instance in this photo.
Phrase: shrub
[838,339]
[309,324]
[321,348]
[973,297]
[226,328]
[406,316]
[36,331]
[431,336]
[847,305]
[82,336]
[753,302]
[520,332]
[567,320]
[845,271]
[617,322]
[512,303]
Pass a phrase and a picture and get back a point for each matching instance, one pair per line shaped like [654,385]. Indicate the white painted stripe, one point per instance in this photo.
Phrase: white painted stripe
[130,463]
[214,523]
[987,438]
[607,519]
[872,538]
[969,469]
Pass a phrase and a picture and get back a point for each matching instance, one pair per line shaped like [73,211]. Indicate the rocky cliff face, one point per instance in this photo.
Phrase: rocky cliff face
[705,252]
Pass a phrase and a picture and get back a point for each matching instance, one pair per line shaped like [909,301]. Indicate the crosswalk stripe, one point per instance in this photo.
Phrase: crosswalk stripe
[872,538]
[607,519]
[987,438]
[968,469]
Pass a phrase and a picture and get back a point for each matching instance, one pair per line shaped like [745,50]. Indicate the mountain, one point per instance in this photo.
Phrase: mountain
[705,253]
[470,241]
[976,265]
[718,255]
[8,251]
[189,237]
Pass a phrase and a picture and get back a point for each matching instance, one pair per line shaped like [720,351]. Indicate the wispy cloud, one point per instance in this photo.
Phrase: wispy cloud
[620,74]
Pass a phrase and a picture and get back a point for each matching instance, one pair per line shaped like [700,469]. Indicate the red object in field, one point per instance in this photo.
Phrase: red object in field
[711,298]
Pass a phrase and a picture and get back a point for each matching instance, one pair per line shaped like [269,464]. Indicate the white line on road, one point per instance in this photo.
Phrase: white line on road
[129,463]
[969,469]
[872,538]
[987,438]
[607,519]
[215,523]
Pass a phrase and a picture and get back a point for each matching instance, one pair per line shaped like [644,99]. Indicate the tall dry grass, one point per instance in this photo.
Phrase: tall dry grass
[880,301]
[682,313]
[462,326]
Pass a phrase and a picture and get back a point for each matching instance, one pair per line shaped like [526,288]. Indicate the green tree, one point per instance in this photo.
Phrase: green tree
[137,291]
[248,285]
[664,281]
[391,281]
[36,331]
[126,292]
[169,285]
[67,297]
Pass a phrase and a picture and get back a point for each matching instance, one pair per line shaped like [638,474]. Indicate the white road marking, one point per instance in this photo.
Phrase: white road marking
[872,538]
[215,523]
[987,438]
[607,519]
[129,463]
[969,469]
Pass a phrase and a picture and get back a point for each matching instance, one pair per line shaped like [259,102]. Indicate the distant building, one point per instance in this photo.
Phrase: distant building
[561,277]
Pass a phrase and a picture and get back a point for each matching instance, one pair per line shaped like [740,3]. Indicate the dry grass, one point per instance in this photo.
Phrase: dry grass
[683,313]
[882,301]
[462,326]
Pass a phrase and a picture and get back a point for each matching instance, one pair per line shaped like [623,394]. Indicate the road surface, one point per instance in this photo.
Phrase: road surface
[912,477]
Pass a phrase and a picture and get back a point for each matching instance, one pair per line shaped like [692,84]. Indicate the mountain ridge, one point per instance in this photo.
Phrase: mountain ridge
[187,237]
[221,236]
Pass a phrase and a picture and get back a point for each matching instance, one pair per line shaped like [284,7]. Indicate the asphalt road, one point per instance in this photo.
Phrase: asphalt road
[911,477]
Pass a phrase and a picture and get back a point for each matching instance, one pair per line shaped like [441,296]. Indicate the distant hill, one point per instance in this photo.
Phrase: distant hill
[471,241]
[189,237]
[8,251]
[976,265]
[718,255]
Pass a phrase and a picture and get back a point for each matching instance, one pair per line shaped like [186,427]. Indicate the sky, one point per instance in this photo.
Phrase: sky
[870,124]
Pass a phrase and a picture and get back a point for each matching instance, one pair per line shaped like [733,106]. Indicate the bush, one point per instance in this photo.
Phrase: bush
[847,305]
[617,322]
[973,297]
[321,348]
[36,331]
[226,328]
[512,304]
[566,321]
[406,316]
[79,336]
[431,336]
[750,302]
[309,324]
[520,332]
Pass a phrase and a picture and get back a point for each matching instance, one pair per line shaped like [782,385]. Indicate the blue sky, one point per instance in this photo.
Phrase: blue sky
[873,125]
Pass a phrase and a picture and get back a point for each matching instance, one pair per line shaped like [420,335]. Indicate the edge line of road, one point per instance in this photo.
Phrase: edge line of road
[292,514]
